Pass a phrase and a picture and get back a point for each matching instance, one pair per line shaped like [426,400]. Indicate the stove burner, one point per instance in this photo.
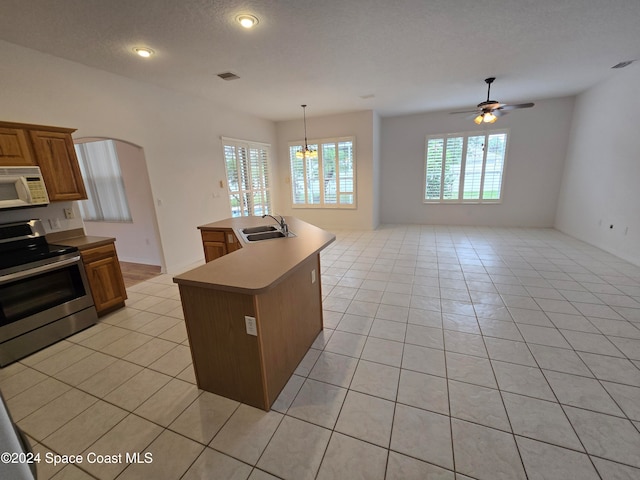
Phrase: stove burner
[32,254]
[23,243]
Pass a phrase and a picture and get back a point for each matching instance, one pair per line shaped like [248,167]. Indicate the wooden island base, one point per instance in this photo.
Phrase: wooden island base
[252,369]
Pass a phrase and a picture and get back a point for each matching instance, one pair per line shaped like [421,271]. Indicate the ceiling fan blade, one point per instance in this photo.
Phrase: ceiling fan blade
[466,111]
[507,108]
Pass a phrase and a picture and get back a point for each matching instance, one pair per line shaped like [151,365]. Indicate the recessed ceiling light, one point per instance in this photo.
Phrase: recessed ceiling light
[143,51]
[247,21]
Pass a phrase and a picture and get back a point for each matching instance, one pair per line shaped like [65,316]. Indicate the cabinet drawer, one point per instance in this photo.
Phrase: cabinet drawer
[211,236]
[98,253]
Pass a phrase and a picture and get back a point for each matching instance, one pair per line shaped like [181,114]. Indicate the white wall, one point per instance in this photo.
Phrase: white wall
[358,124]
[138,240]
[601,182]
[377,138]
[180,135]
[535,162]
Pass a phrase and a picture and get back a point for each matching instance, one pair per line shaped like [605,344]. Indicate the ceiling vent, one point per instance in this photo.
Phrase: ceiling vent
[228,76]
[623,64]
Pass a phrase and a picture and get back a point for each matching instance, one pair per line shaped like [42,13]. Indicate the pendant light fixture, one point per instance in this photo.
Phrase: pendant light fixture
[307,152]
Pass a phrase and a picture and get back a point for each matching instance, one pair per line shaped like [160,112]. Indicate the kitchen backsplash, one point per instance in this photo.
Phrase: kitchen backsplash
[52,216]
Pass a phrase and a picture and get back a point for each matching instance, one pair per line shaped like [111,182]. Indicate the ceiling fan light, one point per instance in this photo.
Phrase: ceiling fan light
[478,119]
[489,118]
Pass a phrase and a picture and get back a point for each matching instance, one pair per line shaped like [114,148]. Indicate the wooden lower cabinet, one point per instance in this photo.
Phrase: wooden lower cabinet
[105,278]
[253,368]
[217,243]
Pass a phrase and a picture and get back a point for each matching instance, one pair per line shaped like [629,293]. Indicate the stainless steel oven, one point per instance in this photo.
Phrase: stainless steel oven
[44,294]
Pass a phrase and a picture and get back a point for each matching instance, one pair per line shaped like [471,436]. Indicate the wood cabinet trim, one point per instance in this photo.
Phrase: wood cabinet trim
[33,126]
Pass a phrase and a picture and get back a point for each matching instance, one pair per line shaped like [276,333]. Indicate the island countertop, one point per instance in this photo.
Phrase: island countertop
[257,266]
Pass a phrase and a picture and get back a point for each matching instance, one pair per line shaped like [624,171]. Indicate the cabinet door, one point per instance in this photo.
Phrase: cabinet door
[14,148]
[107,286]
[213,250]
[57,159]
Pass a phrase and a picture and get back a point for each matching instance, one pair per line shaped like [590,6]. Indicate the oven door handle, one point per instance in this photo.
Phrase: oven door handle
[35,271]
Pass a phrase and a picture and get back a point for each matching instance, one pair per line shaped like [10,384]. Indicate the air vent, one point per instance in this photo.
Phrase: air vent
[228,76]
[626,63]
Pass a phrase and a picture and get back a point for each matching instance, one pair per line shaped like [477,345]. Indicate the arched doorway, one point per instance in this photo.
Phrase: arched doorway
[137,235]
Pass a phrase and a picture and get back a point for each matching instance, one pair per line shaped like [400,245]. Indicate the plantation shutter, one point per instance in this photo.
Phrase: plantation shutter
[247,166]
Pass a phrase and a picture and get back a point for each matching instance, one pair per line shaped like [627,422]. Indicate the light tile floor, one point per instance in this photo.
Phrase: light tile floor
[448,353]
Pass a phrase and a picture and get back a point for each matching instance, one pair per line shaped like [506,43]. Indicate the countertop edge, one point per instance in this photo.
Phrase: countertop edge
[278,259]
[84,242]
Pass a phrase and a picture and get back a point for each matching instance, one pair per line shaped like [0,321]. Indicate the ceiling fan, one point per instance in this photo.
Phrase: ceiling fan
[489,110]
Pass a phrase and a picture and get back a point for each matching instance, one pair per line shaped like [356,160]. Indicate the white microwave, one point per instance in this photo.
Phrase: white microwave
[22,187]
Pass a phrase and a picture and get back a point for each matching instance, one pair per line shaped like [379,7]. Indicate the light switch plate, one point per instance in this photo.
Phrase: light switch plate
[313,276]
[250,323]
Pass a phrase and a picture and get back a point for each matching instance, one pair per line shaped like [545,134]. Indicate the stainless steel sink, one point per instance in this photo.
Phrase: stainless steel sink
[260,229]
[265,235]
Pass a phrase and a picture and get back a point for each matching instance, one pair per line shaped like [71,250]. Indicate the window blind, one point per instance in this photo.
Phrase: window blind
[100,168]
[465,168]
[247,167]
[326,180]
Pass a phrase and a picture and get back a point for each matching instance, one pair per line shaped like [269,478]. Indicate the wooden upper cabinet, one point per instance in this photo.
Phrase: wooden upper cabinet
[56,157]
[14,148]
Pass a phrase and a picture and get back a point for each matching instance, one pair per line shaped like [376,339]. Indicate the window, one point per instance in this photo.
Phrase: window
[247,165]
[465,168]
[325,181]
[107,200]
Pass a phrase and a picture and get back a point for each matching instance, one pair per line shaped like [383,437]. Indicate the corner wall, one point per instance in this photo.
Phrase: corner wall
[601,181]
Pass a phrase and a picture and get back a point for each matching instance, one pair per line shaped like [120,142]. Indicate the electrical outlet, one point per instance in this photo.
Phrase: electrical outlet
[250,323]
[68,213]
[54,223]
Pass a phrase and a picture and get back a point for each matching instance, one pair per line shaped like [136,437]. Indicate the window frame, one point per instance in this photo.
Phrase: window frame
[318,145]
[460,186]
[265,190]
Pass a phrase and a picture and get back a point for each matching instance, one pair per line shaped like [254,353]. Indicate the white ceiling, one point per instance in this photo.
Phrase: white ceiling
[412,55]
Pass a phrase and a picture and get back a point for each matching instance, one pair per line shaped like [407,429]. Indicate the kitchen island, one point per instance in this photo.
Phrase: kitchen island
[252,314]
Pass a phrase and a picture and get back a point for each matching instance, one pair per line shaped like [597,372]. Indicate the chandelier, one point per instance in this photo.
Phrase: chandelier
[307,152]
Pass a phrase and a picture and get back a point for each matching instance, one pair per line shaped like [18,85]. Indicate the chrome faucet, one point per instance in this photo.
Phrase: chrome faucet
[284,228]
